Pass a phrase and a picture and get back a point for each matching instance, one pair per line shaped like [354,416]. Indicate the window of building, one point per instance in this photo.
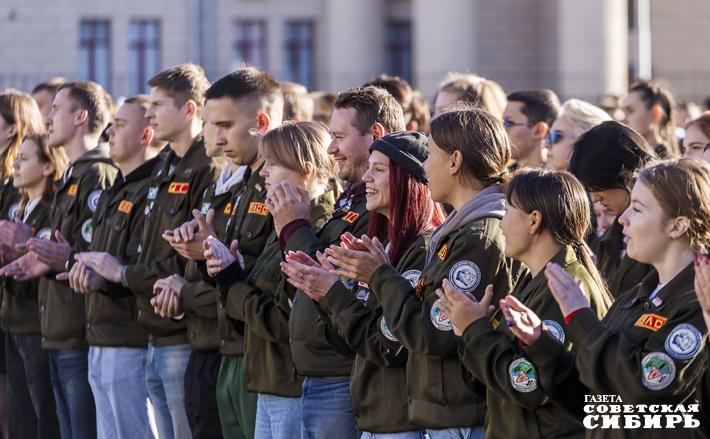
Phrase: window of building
[143,54]
[298,65]
[249,44]
[94,51]
[398,53]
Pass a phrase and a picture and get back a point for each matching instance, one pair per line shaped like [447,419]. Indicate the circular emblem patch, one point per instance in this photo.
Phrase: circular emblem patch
[86,230]
[522,375]
[412,276]
[12,213]
[438,318]
[554,329]
[657,371]
[684,341]
[385,330]
[45,234]
[465,276]
[205,208]
[93,199]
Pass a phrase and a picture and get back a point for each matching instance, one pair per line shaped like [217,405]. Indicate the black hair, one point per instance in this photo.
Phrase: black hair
[538,105]
[247,82]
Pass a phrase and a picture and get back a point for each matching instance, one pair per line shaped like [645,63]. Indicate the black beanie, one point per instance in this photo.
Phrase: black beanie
[407,149]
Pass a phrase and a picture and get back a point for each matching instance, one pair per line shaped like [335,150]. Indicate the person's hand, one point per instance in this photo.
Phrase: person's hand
[521,320]
[82,280]
[218,256]
[285,206]
[174,282]
[567,292]
[187,239]
[13,233]
[305,274]
[702,285]
[354,264]
[103,264]
[54,254]
[167,303]
[25,268]
[9,254]
[461,308]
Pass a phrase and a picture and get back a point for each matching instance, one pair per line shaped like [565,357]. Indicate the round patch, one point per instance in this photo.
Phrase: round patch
[522,375]
[657,371]
[438,318]
[12,213]
[93,199]
[152,193]
[86,230]
[45,234]
[412,276]
[205,208]
[385,330]
[465,276]
[554,329]
[684,341]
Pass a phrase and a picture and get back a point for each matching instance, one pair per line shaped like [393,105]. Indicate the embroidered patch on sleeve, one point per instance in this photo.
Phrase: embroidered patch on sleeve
[555,329]
[438,318]
[228,209]
[258,208]
[125,206]
[178,188]
[45,234]
[412,276]
[442,252]
[72,190]
[522,375]
[93,200]
[385,330]
[465,276]
[684,342]
[87,230]
[351,216]
[651,321]
[657,371]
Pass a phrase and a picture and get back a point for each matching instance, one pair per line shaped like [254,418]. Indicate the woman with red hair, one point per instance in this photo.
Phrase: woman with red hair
[403,215]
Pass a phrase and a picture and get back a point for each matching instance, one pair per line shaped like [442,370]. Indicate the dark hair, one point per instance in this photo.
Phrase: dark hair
[412,213]
[251,84]
[90,96]
[298,104]
[482,140]
[656,92]
[184,82]
[46,154]
[399,89]
[420,112]
[538,105]
[606,156]
[564,206]
[703,122]
[20,109]
[372,105]
[50,85]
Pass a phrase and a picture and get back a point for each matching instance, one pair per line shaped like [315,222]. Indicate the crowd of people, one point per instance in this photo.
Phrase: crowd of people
[246,259]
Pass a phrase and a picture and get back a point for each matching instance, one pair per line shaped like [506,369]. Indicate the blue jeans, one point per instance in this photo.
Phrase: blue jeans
[278,417]
[75,403]
[477,432]
[403,435]
[117,377]
[327,409]
[165,380]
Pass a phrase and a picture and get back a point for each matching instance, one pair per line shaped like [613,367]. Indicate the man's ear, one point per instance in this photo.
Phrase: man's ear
[263,122]
[190,109]
[378,131]
[540,130]
[82,116]
[147,136]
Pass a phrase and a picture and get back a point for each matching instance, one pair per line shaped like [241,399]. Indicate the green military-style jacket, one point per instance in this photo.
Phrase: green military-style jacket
[19,313]
[495,367]
[311,352]
[645,351]
[112,314]
[63,312]
[378,386]
[621,274]
[471,257]
[171,199]
[259,298]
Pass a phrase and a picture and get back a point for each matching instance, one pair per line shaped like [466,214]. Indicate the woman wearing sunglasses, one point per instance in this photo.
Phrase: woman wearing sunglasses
[575,118]
[604,160]
[647,349]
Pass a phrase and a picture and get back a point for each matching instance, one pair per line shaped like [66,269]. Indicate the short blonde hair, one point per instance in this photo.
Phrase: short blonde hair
[293,144]
[477,90]
[583,116]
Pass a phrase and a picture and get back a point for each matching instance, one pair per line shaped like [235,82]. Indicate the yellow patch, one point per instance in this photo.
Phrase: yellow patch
[258,208]
[350,217]
[228,209]
[125,206]
[178,188]
[651,321]
[495,322]
[442,252]
[72,190]
[234,210]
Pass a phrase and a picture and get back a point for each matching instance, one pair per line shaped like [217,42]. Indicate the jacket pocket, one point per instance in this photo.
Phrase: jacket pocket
[431,379]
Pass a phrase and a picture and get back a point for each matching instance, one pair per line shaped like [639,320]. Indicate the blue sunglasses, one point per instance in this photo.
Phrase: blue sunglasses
[556,136]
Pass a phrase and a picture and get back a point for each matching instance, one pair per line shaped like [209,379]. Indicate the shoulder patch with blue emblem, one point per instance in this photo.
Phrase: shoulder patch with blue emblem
[684,342]
[465,276]
[93,200]
[555,329]
[438,318]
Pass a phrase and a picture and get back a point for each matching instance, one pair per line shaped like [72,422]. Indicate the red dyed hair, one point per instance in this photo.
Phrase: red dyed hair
[412,213]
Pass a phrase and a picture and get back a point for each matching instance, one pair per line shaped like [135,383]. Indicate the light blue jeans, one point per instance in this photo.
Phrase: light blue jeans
[117,378]
[165,380]
[458,433]
[403,435]
[278,417]
[68,370]
[327,410]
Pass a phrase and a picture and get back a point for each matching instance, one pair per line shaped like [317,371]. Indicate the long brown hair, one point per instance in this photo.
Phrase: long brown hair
[564,205]
[46,154]
[20,109]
